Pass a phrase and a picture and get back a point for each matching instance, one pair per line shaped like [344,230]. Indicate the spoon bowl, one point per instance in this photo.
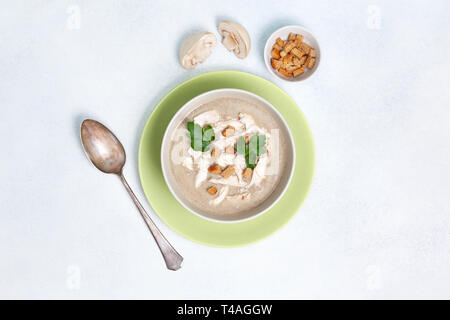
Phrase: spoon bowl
[102,147]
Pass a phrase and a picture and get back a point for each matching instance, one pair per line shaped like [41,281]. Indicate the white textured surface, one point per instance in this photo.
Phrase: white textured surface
[375,224]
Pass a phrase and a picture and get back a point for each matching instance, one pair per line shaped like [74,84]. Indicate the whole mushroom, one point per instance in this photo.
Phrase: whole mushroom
[235,38]
[196,48]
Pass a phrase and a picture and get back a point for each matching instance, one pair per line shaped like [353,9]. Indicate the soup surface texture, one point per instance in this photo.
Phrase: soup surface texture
[227,156]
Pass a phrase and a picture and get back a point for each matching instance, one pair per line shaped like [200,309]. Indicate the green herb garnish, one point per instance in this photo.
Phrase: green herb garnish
[252,150]
[240,146]
[208,133]
[200,138]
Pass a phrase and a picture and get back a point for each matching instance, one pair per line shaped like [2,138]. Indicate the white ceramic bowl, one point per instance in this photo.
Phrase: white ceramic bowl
[283,33]
[185,111]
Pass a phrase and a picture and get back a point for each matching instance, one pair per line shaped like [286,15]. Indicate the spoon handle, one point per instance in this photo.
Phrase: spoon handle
[171,256]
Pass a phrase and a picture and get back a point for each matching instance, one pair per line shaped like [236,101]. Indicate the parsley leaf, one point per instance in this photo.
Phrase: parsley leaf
[240,146]
[261,144]
[200,138]
[252,150]
[208,133]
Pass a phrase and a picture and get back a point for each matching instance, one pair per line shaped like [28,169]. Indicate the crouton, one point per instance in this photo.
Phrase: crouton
[285,73]
[276,46]
[291,68]
[298,72]
[227,172]
[303,61]
[215,169]
[292,36]
[287,59]
[298,53]
[212,190]
[228,131]
[304,47]
[276,64]
[289,46]
[275,53]
[310,62]
[247,173]
[280,42]
[312,53]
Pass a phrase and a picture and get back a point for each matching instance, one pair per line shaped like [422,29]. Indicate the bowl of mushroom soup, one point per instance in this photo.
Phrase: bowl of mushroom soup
[227,155]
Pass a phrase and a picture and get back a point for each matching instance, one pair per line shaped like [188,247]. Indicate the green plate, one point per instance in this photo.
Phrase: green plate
[201,230]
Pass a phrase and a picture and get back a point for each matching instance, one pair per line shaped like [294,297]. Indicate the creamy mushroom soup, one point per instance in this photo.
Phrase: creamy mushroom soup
[227,156]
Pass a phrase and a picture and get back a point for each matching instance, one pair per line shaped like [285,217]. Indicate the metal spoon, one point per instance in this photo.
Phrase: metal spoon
[107,153]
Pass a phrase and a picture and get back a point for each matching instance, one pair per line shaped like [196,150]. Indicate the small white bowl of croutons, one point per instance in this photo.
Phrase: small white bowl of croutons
[292,53]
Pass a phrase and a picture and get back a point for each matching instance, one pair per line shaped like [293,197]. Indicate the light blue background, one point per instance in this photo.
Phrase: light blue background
[375,224]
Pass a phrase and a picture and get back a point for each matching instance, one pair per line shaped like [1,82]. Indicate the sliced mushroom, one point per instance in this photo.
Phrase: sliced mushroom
[235,38]
[196,48]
